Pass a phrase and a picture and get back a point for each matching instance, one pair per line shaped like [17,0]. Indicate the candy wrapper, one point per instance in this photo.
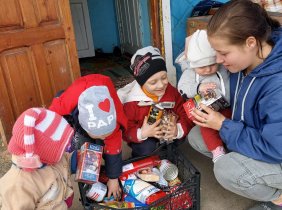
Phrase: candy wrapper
[147,174]
[135,166]
[212,98]
[119,204]
[182,199]
[88,167]
[155,113]
[142,191]
[168,117]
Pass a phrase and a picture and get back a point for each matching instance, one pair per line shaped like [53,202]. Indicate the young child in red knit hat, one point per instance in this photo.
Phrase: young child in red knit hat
[151,87]
[39,177]
[98,118]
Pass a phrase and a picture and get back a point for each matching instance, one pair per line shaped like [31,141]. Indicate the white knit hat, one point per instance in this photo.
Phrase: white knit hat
[96,111]
[200,53]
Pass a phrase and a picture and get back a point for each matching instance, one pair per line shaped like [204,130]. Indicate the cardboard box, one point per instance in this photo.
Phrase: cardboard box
[89,163]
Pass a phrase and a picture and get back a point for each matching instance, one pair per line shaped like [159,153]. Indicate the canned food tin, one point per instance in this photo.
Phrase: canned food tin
[169,170]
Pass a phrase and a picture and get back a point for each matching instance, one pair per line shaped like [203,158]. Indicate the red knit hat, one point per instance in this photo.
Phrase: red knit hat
[39,136]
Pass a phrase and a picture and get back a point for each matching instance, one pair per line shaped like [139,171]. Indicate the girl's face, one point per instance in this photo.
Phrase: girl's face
[157,84]
[206,70]
[234,57]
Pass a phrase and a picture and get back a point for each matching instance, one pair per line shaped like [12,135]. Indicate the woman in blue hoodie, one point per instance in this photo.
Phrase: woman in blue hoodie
[249,44]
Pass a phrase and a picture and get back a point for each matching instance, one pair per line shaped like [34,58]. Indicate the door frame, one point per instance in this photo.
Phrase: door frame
[161,33]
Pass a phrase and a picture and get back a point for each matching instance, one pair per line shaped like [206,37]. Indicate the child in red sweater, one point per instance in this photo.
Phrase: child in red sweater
[98,118]
[151,87]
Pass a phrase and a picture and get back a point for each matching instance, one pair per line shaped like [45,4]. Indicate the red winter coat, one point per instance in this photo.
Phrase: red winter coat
[132,94]
[67,103]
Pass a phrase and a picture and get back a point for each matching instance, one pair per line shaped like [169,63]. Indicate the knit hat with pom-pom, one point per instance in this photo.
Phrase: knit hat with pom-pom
[39,136]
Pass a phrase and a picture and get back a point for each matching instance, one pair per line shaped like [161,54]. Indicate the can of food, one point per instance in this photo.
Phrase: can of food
[169,170]
[97,192]
[155,113]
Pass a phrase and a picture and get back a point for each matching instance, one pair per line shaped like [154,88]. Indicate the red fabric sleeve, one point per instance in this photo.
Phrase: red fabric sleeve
[134,122]
[185,122]
[113,142]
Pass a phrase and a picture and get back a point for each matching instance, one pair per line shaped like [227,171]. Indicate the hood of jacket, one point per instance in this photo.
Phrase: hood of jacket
[272,64]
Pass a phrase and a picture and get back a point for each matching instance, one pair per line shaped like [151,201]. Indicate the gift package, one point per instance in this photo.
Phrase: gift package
[151,182]
[212,98]
[88,167]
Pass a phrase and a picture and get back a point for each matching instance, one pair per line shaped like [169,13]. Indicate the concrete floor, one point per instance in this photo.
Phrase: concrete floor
[213,196]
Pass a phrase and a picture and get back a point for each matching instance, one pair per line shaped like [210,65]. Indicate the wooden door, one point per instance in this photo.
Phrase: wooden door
[38,56]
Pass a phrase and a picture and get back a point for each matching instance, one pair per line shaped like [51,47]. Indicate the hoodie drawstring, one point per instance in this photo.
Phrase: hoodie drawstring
[239,83]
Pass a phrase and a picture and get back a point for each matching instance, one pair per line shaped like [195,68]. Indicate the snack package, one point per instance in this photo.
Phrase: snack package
[212,98]
[168,116]
[155,113]
[135,166]
[142,191]
[119,204]
[182,199]
[137,203]
[174,182]
[147,174]
[88,167]
[162,182]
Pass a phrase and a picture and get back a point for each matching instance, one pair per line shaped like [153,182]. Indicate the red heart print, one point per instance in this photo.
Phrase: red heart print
[105,105]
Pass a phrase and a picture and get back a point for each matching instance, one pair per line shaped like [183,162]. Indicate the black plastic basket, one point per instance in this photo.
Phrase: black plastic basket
[187,173]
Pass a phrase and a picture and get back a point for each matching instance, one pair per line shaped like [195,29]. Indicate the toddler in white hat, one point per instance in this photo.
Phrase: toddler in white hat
[200,74]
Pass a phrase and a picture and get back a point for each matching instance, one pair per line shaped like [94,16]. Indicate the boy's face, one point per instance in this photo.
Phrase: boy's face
[207,70]
[157,84]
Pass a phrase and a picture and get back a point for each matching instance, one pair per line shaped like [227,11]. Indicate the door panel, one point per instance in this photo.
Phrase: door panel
[38,55]
[19,74]
[58,64]
[82,28]
[128,16]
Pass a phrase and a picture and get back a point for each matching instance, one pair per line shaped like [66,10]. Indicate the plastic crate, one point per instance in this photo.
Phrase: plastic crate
[187,173]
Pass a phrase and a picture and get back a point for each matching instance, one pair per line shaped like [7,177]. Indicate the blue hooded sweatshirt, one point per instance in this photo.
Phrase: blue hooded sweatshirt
[256,126]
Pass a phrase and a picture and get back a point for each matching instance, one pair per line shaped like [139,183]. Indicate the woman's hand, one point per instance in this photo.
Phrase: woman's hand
[114,189]
[210,119]
[153,130]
